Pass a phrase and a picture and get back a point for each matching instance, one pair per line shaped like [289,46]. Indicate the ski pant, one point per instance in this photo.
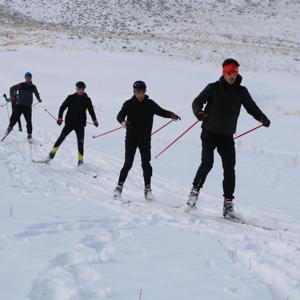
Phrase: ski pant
[13,108]
[144,146]
[17,112]
[226,149]
[80,139]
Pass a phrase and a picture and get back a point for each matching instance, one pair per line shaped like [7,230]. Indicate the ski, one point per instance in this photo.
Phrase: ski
[234,219]
[5,136]
[43,161]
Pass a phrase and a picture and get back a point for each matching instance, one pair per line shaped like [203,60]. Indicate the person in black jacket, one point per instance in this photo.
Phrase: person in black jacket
[218,106]
[21,96]
[77,104]
[136,116]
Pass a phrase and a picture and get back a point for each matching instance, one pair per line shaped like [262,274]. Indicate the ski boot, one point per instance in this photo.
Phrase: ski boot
[148,193]
[29,138]
[7,132]
[79,163]
[193,198]
[118,191]
[228,210]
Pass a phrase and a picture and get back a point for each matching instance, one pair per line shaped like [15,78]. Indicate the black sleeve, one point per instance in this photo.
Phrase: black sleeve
[36,92]
[251,106]
[161,112]
[13,90]
[123,113]
[63,107]
[201,99]
[91,110]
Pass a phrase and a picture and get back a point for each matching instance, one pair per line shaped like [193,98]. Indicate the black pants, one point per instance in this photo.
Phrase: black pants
[131,144]
[13,108]
[17,112]
[226,149]
[79,134]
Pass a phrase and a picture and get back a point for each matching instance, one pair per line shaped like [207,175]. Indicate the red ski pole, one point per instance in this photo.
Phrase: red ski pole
[107,132]
[181,135]
[248,131]
[53,117]
[34,104]
[160,128]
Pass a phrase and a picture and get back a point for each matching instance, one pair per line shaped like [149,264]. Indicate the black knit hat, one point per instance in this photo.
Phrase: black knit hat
[80,85]
[139,85]
[230,61]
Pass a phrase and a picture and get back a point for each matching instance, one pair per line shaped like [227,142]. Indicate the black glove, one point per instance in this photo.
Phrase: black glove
[59,121]
[96,123]
[265,121]
[175,117]
[201,115]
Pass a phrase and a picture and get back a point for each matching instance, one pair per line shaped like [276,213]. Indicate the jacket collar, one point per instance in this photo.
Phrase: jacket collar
[237,82]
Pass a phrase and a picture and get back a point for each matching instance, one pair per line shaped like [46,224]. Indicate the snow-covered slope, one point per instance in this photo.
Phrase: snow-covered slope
[205,31]
[62,236]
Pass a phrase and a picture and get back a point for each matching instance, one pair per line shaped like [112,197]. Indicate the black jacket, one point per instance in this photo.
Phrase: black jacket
[77,106]
[140,116]
[25,93]
[223,104]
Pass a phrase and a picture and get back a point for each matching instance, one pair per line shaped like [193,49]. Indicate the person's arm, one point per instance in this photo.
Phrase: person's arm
[123,113]
[36,92]
[253,109]
[91,111]
[13,91]
[199,102]
[164,113]
[63,107]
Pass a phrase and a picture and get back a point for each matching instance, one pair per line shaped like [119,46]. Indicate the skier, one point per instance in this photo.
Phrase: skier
[21,96]
[223,100]
[136,116]
[77,104]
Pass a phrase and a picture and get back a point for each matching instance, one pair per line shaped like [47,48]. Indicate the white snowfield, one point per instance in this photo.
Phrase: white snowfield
[63,237]
[264,34]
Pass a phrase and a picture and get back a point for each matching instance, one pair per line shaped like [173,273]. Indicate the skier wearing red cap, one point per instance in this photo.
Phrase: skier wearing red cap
[136,116]
[218,107]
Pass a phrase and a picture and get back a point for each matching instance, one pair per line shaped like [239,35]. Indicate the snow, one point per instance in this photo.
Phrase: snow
[62,236]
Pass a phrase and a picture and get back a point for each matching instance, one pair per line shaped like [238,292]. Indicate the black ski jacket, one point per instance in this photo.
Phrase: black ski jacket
[25,93]
[77,106]
[223,104]
[140,116]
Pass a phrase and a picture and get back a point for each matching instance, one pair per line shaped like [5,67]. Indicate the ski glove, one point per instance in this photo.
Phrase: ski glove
[40,100]
[175,117]
[96,123]
[265,121]
[124,124]
[201,115]
[59,121]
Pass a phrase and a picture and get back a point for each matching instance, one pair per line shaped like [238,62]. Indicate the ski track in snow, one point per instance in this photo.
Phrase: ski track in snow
[271,256]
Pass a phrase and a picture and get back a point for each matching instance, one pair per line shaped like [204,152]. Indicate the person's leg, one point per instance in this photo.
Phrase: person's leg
[130,149]
[27,112]
[207,159]
[80,143]
[15,116]
[226,149]
[13,107]
[145,151]
[65,132]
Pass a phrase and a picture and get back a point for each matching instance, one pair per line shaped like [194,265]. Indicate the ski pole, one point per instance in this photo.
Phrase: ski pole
[181,135]
[53,117]
[160,128]
[107,132]
[248,131]
[34,104]
[7,100]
